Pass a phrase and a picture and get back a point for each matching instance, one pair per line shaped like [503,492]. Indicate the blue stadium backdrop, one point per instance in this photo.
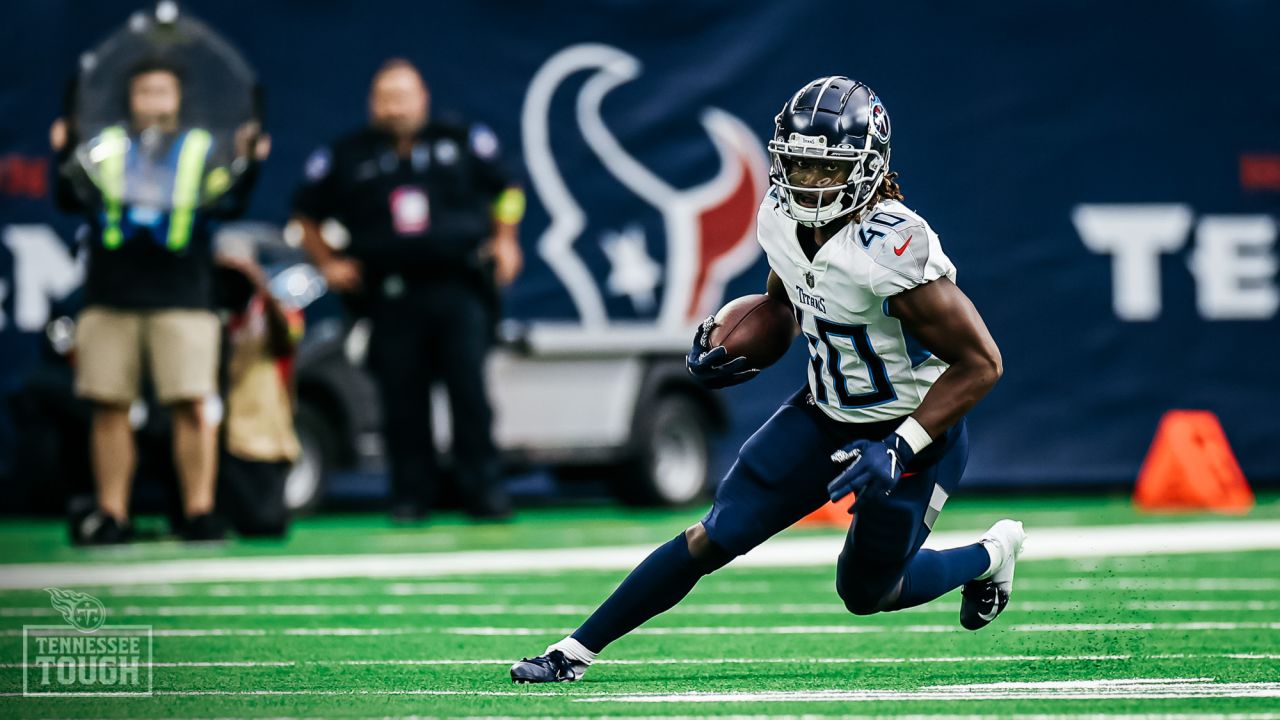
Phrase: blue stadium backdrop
[1106,177]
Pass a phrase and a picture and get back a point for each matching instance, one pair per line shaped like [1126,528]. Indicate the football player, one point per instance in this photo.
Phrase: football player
[898,356]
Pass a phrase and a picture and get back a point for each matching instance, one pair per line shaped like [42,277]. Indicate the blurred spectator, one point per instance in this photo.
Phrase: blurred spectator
[258,441]
[432,218]
[148,293]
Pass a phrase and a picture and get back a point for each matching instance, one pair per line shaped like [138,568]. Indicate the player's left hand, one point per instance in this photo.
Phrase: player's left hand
[876,468]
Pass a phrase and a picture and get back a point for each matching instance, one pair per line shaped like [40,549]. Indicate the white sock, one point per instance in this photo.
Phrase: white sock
[996,556]
[573,650]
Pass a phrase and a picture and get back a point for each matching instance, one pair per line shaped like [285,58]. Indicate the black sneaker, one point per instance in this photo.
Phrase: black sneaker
[204,528]
[552,667]
[99,528]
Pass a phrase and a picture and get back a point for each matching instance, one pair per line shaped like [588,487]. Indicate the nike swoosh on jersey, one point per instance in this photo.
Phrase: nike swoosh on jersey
[899,250]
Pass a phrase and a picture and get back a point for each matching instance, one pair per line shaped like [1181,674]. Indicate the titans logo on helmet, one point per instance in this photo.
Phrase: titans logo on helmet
[879,119]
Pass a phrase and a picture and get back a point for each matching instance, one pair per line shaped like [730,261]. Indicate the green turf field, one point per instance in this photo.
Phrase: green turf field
[1170,635]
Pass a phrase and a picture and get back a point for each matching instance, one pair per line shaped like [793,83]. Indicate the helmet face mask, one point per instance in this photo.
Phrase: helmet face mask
[815,189]
[830,150]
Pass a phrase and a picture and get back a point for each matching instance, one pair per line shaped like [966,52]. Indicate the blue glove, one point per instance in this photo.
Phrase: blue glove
[876,468]
[711,366]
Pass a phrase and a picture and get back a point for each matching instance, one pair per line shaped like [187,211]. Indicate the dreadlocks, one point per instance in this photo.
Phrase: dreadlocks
[889,189]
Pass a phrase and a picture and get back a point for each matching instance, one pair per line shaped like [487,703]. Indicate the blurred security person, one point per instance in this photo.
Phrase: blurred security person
[432,219]
[141,185]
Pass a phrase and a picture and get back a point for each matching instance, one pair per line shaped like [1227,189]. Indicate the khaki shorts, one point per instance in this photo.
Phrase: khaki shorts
[180,348]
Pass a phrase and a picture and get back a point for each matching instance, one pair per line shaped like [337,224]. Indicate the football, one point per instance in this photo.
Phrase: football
[756,327]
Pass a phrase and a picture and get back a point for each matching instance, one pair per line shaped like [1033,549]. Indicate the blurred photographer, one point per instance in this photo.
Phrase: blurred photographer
[258,440]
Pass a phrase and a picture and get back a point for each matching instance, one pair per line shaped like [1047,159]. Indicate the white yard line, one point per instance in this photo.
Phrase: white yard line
[1043,543]
[134,612]
[864,629]
[1144,626]
[450,609]
[187,664]
[288,693]
[722,585]
[1203,605]
[979,659]
[265,589]
[1119,689]
[808,716]
[842,716]
[1141,582]
[486,631]
[821,716]
[258,632]
[145,611]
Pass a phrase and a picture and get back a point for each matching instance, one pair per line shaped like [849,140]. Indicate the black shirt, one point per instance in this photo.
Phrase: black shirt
[423,217]
[143,273]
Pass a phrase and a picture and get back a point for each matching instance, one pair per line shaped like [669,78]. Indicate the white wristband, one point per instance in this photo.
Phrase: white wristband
[914,434]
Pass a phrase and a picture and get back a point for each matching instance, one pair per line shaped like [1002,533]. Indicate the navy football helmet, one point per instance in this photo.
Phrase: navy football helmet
[830,150]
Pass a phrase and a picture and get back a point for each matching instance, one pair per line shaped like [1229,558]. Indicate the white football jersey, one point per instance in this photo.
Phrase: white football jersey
[863,366]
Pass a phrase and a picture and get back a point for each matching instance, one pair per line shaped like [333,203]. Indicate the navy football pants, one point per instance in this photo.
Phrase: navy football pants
[782,473]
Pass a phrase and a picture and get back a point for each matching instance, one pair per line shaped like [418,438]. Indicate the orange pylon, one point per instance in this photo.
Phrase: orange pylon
[1190,466]
[832,513]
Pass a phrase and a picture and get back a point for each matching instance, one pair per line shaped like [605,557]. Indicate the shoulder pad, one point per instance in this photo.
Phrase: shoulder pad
[904,249]
[896,238]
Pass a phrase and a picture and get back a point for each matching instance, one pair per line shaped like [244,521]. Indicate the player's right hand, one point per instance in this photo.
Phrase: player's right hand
[875,467]
[711,366]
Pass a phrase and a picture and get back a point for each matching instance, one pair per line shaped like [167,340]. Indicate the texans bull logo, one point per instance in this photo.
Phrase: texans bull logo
[709,228]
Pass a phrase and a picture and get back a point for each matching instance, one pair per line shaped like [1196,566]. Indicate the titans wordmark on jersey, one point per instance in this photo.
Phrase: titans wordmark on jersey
[863,367]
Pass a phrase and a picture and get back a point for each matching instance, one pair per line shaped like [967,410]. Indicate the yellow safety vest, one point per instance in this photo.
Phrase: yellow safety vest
[186,185]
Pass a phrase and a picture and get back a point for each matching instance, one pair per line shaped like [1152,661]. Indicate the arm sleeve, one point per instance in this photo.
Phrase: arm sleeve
[906,258]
